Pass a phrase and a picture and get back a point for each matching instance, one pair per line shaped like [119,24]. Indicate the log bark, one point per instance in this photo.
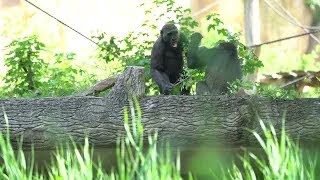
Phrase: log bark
[100,86]
[184,120]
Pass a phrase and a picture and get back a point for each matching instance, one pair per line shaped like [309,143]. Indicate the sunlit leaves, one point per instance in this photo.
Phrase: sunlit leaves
[30,74]
[25,66]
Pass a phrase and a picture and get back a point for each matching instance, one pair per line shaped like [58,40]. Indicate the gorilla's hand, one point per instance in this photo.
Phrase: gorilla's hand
[167,88]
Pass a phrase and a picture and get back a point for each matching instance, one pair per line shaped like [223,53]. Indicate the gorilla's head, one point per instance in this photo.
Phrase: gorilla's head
[196,37]
[170,35]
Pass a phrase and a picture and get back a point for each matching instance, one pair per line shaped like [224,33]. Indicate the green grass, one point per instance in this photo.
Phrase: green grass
[281,158]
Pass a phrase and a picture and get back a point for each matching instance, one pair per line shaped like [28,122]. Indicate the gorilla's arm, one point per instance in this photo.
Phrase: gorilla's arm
[195,53]
[197,57]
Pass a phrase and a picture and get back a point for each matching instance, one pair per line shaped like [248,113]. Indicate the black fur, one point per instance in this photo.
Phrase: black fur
[167,59]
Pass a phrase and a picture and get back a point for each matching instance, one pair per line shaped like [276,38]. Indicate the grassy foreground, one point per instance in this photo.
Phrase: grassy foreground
[281,159]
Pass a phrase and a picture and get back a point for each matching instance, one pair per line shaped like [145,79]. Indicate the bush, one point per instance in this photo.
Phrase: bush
[30,75]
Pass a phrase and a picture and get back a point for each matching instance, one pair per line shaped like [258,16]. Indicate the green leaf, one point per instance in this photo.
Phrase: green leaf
[211,26]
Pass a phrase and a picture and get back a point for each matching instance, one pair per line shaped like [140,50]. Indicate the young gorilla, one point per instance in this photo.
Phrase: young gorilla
[167,59]
[222,62]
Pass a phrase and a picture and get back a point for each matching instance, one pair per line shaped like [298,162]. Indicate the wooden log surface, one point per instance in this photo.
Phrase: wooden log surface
[186,121]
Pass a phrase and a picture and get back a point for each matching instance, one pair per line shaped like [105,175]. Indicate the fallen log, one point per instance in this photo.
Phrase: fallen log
[100,86]
[184,120]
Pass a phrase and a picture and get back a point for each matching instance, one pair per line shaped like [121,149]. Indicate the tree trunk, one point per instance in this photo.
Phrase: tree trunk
[252,23]
[252,30]
[185,120]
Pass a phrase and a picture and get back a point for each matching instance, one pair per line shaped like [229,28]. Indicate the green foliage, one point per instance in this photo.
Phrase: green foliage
[30,75]
[277,60]
[62,78]
[191,77]
[127,50]
[237,85]
[312,93]
[315,7]
[262,90]
[309,61]
[282,159]
[25,65]
[277,92]
[313,4]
